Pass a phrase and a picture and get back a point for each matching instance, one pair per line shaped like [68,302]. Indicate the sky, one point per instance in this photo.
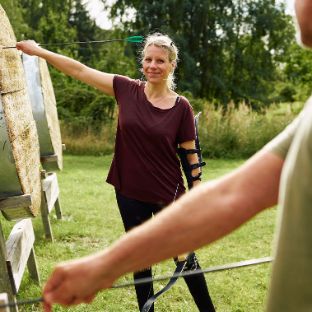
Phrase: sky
[96,10]
[290,6]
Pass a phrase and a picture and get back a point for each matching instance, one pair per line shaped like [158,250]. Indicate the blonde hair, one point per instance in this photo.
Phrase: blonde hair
[163,41]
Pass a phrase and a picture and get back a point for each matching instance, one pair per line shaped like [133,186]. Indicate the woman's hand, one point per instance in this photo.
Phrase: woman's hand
[29,47]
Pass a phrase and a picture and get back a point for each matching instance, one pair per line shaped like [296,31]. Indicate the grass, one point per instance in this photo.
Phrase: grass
[91,222]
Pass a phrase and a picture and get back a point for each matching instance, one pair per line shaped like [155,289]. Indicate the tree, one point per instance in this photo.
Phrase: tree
[15,13]
[298,72]
[68,21]
[85,29]
[229,50]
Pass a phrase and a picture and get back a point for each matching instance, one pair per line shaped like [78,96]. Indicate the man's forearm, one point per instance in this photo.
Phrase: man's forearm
[203,215]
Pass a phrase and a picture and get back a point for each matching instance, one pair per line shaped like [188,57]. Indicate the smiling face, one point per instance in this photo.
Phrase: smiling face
[156,64]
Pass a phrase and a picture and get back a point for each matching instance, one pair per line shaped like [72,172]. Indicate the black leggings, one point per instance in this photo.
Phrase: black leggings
[134,213]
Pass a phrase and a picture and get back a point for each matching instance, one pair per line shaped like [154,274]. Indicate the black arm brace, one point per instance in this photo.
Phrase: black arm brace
[186,166]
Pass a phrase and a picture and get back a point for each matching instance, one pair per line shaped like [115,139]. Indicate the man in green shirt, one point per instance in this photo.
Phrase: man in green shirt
[280,173]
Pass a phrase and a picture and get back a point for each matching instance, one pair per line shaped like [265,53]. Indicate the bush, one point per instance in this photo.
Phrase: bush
[84,137]
[237,132]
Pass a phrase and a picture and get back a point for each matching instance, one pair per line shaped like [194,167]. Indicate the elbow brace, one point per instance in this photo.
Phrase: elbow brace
[186,166]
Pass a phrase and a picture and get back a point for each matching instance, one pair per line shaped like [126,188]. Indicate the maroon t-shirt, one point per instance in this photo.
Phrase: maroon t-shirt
[145,166]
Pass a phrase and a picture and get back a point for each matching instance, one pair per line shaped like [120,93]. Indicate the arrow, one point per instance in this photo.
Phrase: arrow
[132,39]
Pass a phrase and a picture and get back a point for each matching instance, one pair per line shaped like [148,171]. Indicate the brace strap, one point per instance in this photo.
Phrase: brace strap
[186,166]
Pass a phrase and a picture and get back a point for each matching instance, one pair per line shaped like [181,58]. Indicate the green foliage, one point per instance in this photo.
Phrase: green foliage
[236,132]
[54,21]
[76,99]
[298,71]
[287,94]
[15,13]
[47,20]
[229,50]
[86,31]
[241,132]
[84,137]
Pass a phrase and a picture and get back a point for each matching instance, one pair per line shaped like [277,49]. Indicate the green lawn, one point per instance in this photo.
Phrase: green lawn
[91,222]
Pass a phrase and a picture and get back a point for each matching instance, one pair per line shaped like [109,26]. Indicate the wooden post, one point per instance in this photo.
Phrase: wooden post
[50,199]
[3,301]
[32,266]
[45,218]
[5,282]
[48,158]
[58,209]
[20,251]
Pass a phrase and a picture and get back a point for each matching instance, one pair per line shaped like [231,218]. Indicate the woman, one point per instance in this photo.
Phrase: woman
[153,121]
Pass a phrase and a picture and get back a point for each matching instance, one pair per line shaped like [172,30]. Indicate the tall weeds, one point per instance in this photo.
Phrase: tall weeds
[240,132]
[237,132]
[87,138]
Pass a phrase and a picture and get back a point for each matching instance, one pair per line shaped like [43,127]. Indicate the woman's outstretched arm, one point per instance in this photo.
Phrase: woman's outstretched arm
[95,78]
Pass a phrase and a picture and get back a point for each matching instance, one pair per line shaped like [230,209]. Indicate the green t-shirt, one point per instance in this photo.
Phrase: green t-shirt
[281,143]
[291,282]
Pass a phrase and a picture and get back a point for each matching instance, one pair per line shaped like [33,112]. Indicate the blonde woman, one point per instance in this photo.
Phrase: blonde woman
[153,121]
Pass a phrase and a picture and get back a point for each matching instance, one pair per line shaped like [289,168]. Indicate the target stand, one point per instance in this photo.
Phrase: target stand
[49,200]
[17,251]
[3,301]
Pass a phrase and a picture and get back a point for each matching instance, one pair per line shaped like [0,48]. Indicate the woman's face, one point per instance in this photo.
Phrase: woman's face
[156,64]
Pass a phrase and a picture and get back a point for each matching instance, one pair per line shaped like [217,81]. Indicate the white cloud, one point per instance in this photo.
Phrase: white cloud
[96,10]
[290,7]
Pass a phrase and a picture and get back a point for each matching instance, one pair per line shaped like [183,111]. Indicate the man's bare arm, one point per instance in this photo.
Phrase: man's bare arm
[203,215]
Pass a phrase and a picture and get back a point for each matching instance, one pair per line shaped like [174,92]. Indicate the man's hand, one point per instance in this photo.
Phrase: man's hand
[76,282]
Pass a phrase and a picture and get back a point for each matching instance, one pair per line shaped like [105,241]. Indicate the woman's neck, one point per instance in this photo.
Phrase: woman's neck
[160,96]
[156,91]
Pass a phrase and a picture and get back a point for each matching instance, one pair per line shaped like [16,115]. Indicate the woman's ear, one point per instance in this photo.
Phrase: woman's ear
[174,65]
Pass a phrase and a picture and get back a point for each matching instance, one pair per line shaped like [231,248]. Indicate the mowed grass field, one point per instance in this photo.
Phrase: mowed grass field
[91,222]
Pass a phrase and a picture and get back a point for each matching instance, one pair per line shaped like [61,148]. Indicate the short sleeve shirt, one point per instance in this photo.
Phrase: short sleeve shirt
[281,143]
[291,287]
[145,165]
